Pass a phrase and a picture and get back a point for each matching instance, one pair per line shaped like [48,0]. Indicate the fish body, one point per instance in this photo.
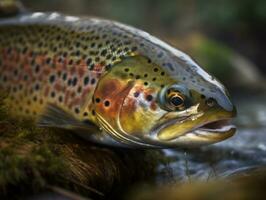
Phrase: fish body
[109,82]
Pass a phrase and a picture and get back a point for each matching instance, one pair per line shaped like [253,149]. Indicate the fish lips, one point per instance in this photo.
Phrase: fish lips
[202,134]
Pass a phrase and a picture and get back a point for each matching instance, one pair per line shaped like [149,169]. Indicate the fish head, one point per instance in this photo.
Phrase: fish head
[144,104]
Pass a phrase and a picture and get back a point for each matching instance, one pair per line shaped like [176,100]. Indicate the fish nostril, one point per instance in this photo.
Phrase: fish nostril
[211,102]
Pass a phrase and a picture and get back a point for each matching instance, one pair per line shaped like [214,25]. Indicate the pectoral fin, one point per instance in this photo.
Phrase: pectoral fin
[54,116]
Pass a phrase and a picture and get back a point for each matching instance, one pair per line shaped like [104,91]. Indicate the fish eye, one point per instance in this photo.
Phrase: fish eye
[176,100]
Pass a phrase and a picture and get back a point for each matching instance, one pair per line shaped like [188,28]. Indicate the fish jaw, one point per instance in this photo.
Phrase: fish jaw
[196,130]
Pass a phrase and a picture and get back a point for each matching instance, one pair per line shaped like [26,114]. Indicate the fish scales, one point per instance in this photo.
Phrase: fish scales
[57,61]
[60,61]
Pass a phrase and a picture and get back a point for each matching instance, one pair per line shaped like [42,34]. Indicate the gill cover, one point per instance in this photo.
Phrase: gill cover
[108,99]
[125,99]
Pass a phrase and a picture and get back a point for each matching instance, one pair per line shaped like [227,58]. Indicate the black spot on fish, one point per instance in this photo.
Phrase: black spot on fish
[37,87]
[74,81]
[78,62]
[85,114]
[52,78]
[15,72]
[106,103]
[48,61]
[64,76]
[77,44]
[60,99]
[35,98]
[136,94]
[104,52]
[97,59]
[114,58]
[69,82]
[89,61]
[97,100]
[134,48]
[77,53]
[53,94]
[149,97]
[65,54]
[37,68]
[91,67]
[70,62]
[77,110]
[86,80]
[109,56]
[93,81]
[170,66]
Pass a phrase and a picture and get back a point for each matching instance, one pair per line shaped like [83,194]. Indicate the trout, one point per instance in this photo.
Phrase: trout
[109,82]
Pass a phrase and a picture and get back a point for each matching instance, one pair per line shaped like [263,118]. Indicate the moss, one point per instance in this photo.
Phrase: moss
[34,159]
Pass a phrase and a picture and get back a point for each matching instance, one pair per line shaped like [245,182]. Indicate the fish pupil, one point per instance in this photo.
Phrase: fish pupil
[177,101]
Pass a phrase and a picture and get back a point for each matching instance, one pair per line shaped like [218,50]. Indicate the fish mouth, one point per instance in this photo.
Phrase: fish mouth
[204,133]
[214,131]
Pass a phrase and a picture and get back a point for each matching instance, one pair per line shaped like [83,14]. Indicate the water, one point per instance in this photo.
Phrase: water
[244,151]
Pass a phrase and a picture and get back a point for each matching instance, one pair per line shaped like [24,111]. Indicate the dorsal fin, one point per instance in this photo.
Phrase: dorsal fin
[9,8]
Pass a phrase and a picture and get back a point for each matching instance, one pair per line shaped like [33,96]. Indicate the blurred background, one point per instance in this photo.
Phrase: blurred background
[226,37]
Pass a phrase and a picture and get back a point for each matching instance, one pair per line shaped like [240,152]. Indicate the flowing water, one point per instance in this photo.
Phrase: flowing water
[244,151]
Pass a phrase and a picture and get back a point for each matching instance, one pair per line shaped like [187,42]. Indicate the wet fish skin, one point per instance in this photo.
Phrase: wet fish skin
[105,73]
